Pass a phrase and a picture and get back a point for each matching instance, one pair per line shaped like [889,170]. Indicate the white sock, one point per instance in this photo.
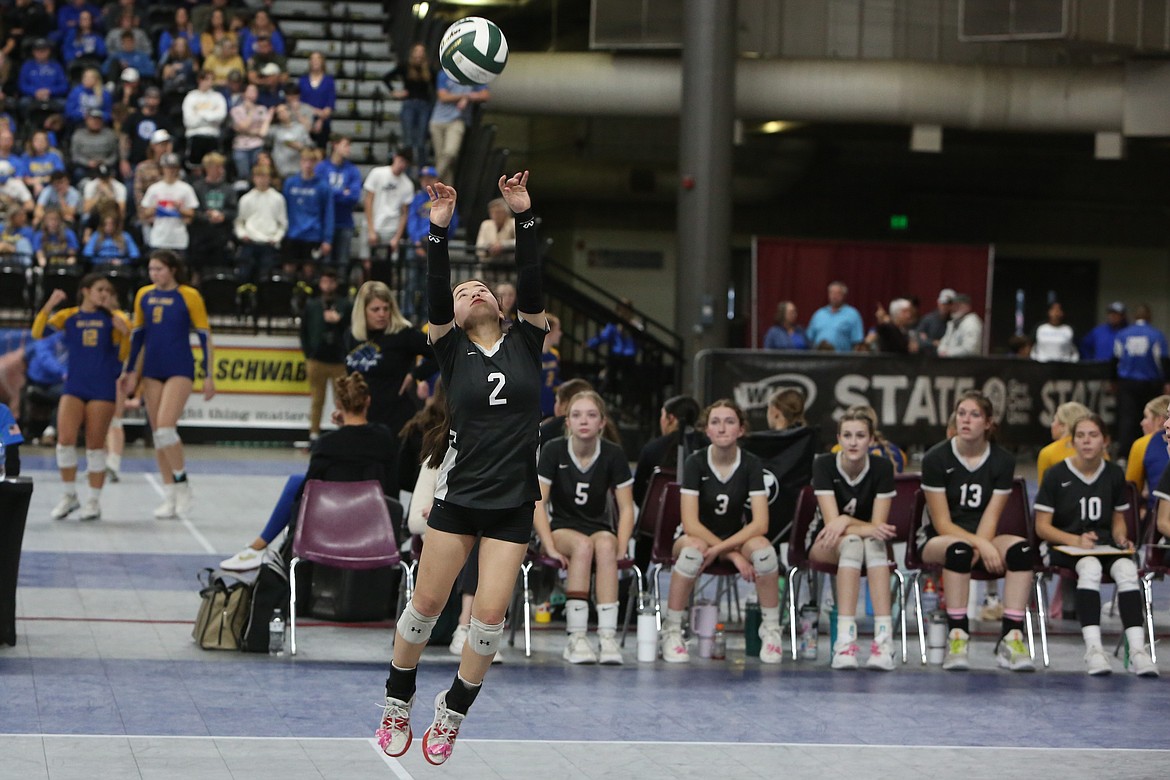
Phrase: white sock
[1092,635]
[883,627]
[95,493]
[576,616]
[674,618]
[1137,638]
[607,617]
[770,616]
[114,462]
[846,630]
[70,489]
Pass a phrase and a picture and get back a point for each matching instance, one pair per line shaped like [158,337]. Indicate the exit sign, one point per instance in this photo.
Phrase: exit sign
[899,222]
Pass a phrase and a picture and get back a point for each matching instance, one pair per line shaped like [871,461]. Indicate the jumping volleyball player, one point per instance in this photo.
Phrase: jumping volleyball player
[487,484]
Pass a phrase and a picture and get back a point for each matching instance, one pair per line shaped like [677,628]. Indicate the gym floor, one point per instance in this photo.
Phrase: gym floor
[106,682]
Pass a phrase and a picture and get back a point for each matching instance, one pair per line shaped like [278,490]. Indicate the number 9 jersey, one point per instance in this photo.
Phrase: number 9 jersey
[723,503]
[166,318]
[968,489]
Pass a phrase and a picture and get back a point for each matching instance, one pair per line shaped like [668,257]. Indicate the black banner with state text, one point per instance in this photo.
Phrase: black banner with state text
[913,395]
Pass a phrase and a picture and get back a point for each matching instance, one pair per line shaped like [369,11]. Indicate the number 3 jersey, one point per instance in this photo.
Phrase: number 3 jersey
[494,399]
[723,503]
[968,488]
[855,496]
[1080,504]
[580,496]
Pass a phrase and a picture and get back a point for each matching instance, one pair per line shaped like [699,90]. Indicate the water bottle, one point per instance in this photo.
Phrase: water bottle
[719,644]
[807,642]
[276,635]
[936,637]
[647,630]
[752,620]
[929,599]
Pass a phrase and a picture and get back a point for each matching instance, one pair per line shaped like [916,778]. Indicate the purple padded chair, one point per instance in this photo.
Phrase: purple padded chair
[345,525]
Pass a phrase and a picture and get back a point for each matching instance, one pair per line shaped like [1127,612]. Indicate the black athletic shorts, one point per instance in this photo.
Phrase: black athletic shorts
[508,525]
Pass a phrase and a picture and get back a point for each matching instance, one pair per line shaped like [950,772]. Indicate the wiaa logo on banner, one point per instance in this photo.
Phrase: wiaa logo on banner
[755,395]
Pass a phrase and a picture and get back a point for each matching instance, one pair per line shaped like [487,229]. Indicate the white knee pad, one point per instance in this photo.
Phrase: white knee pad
[415,627]
[66,456]
[1089,573]
[850,552]
[689,563]
[484,638]
[1124,573]
[876,553]
[764,561]
[95,461]
[166,437]
[116,422]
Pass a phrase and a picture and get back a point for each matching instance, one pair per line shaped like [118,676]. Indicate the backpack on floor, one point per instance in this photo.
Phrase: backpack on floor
[270,594]
[223,611]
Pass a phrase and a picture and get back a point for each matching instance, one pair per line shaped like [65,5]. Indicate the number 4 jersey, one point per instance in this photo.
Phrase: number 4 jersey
[969,488]
[494,398]
[580,496]
[723,503]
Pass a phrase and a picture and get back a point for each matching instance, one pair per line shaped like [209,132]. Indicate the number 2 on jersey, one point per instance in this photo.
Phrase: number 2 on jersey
[498,379]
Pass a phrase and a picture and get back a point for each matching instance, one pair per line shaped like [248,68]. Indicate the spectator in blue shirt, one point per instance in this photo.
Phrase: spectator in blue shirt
[785,333]
[128,56]
[109,244]
[87,95]
[42,79]
[86,41]
[345,179]
[16,238]
[40,163]
[318,92]
[1141,354]
[449,120]
[61,195]
[1098,343]
[261,25]
[621,354]
[309,199]
[55,242]
[418,226]
[181,28]
[69,17]
[10,154]
[838,324]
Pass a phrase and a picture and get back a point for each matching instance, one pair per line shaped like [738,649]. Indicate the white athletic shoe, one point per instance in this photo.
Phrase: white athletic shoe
[394,735]
[245,560]
[881,655]
[439,740]
[112,475]
[610,651]
[1096,662]
[771,644]
[845,656]
[956,659]
[91,510]
[1012,652]
[674,649]
[65,506]
[578,651]
[166,510]
[1141,664]
[183,500]
[458,640]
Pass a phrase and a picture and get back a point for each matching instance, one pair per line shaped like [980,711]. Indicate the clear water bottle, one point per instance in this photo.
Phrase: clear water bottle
[719,643]
[647,630]
[276,635]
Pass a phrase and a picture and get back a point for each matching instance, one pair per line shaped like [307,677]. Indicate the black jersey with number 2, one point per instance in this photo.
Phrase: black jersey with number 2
[1081,504]
[494,398]
[969,489]
[855,496]
[580,496]
[723,503]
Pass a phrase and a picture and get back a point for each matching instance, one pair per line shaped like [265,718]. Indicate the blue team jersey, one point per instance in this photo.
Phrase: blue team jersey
[166,319]
[96,350]
[9,429]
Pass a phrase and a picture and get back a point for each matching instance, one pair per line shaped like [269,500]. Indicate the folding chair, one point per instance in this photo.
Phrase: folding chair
[346,525]
[1015,520]
[1155,566]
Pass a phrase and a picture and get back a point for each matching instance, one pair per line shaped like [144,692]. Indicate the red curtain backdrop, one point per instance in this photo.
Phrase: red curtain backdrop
[800,271]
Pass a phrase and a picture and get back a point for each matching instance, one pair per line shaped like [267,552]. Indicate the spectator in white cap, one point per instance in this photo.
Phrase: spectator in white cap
[167,207]
[1098,343]
[127,93]
[270,85]
[13,192]
[933,325]
[141,129]
[964,336]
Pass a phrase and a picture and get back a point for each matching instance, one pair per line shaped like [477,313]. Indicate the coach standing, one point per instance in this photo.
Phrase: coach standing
[1141,354]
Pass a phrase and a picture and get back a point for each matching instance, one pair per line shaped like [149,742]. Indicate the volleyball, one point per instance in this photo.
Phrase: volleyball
[473,51]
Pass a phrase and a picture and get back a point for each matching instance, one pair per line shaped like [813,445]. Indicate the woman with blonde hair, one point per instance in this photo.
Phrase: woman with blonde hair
[1063,419]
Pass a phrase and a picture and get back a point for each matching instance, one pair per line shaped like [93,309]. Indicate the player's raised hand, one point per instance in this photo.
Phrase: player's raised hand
[442,203]
[515,192]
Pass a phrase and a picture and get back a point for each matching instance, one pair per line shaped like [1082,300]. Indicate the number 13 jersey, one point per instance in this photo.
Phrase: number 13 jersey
[969,489]
[494,400]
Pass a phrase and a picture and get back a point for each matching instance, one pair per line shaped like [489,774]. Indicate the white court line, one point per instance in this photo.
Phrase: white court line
[683,743]
[398,769]
[154,482]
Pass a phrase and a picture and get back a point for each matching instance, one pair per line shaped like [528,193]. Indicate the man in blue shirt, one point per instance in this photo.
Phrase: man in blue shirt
[1141,354]
[345,179]
[310,216]
[42,80]
[1098,343]
[837,324]
[449,119]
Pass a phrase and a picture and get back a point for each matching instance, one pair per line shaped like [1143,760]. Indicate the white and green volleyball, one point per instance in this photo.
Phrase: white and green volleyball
[473,51]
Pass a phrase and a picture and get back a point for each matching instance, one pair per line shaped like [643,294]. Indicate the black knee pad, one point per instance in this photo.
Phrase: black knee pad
[1019,557]
[960,558]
